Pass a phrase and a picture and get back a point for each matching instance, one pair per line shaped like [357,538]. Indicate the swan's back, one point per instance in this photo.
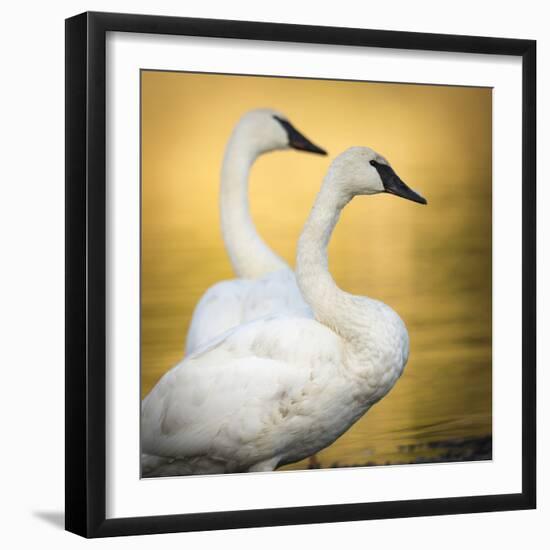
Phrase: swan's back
[219,309]
[245,396]
[275,294]
[231,303]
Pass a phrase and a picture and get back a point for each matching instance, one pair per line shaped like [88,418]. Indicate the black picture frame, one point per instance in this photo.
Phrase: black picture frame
[86,274]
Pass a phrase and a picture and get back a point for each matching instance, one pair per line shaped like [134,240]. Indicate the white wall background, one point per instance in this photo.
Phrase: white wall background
[32,271]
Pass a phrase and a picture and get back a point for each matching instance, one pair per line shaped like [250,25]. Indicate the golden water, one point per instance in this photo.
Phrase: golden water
[431,263]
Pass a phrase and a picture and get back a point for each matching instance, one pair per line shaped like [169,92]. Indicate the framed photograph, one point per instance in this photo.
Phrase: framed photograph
[300,274]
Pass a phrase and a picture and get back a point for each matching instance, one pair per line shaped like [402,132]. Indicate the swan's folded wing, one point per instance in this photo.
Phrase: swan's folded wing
[199,410]
[299,340]
[230,394]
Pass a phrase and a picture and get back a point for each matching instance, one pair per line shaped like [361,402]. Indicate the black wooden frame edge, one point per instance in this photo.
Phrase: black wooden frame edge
[85,274]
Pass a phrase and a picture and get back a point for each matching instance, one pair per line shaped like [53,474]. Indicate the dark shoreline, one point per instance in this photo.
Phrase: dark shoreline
[465,449]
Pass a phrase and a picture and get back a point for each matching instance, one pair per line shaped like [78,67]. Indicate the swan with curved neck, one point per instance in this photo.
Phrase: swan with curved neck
[258,132]
[277,390]
[230,303]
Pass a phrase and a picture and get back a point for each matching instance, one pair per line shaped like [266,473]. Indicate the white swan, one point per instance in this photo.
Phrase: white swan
[279,389]
[231,303]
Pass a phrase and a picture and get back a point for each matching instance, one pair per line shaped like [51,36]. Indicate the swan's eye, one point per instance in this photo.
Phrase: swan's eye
[373,163]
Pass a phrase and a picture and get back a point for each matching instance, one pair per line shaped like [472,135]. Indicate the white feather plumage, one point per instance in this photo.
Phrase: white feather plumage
[266,284]
[278,389]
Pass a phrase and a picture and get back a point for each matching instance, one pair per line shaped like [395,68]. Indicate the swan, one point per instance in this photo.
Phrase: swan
[279,389]
[230,303]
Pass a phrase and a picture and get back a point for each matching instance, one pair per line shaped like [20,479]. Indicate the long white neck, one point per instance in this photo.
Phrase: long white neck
[374,337]
[249,254]
[332,307]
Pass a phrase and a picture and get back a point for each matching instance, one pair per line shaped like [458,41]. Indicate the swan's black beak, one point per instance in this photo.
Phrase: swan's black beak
[298,141]
[395,185]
